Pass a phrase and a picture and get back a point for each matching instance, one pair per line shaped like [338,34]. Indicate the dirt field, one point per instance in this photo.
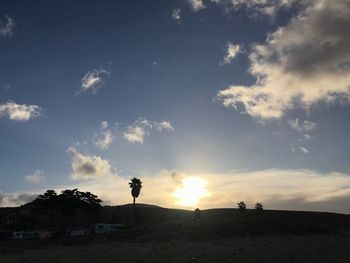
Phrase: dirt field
[320,248]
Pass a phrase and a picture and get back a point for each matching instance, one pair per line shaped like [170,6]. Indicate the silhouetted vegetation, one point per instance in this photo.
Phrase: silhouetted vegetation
[58,212]
[197,215]
[259,207]
[135,185]
[241,206]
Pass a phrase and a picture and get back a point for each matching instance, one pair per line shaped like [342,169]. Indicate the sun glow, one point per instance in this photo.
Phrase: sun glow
[192,190]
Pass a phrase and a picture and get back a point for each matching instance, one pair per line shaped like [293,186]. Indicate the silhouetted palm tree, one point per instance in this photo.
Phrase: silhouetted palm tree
[135,185]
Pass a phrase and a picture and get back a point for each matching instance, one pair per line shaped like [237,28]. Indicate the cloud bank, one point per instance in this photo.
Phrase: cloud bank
[299,189]
[303,63]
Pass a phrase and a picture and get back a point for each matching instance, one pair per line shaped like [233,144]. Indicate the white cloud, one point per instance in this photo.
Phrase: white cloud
[164,125]
[176,15]
[136,132]
[232,50]
[196,5]
[35,178]
[105,138]
[305,126]
[88,167]
[301,64]
[7,27]
[94,80]
[19,112]
[304,150]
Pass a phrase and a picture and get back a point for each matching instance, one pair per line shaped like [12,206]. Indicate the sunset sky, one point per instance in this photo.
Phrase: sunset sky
[208,102]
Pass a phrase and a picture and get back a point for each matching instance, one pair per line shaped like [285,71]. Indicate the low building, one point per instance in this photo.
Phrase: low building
[103,228]
[35,234]
[77,231]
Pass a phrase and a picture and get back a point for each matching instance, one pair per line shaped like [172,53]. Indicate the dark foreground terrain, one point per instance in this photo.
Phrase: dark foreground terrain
[172,235]
[315,248]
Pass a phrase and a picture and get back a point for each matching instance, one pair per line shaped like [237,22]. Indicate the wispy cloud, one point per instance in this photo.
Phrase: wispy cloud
[7,26]
[232,50]
[88,167]
[291,68]
[136,132]
[105,138]
[19,112]
[304,126]
[37,177]
[94,80]
[256,8]
[304,150]
[176,15]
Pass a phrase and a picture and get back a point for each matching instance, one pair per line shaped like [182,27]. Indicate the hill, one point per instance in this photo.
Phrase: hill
[159,222]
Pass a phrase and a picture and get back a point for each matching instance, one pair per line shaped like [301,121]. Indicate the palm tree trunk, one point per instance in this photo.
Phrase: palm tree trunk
[133,212]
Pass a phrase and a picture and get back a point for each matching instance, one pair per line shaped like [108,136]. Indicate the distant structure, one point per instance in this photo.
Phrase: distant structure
[103,228]
[35,234]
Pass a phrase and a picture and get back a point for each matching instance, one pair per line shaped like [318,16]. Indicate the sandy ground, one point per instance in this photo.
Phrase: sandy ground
[322,248]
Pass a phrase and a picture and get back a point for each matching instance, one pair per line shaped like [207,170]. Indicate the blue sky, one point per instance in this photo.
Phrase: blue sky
[93,93]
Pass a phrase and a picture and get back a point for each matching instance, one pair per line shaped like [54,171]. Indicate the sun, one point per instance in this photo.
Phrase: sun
[192,190]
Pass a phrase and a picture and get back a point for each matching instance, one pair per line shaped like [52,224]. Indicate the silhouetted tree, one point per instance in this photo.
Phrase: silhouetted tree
[48,201]
[241,206]
[69,204]
[259,207]
[72,202]
[135,185]
[197,214]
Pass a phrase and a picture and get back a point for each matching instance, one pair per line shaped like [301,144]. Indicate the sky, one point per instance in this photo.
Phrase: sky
[208,102]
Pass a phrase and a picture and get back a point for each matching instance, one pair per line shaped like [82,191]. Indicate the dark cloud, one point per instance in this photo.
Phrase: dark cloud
[87,168]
